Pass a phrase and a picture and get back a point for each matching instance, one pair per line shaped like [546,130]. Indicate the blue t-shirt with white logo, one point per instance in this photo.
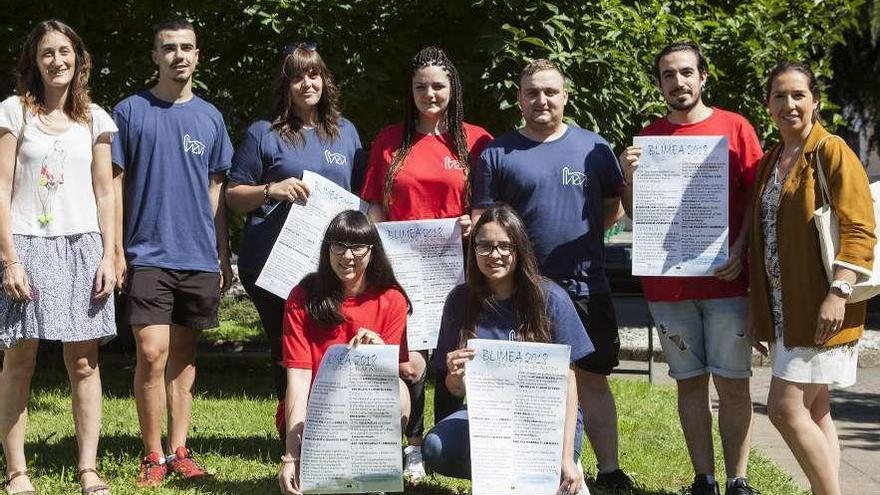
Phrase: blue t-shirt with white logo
[557,188]
[263,157]
[498,322]
[168,152]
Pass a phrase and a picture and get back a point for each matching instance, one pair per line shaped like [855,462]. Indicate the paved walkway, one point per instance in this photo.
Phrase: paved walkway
[856,413]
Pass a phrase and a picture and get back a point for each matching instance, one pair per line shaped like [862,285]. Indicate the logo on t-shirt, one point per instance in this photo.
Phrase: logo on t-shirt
[450,163]
[337,158]
[190,145]
[572,178]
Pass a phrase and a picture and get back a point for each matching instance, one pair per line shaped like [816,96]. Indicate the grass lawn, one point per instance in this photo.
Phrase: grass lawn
[233,432]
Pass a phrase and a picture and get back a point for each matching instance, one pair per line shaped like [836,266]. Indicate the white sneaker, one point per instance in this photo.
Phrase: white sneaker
[413,467]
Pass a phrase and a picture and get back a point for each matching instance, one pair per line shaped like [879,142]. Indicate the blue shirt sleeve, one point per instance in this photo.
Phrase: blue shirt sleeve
[120,141]
[566,325]
[221,154]
[483,192]
[610,174]
[247,162]
[450,327]
[359,164]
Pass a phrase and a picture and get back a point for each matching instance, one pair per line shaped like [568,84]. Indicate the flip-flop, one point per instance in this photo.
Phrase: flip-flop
[10,477]
[93,488]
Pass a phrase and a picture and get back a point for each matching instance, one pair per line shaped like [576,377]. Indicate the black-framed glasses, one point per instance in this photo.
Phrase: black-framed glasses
[357,250]
[486,248]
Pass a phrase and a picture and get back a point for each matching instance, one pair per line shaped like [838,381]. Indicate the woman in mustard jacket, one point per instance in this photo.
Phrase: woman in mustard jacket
[813,333]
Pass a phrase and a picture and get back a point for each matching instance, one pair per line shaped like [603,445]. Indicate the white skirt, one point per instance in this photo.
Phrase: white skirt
[835,366]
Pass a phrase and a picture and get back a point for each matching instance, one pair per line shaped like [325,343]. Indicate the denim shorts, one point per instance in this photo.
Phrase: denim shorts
[704,336]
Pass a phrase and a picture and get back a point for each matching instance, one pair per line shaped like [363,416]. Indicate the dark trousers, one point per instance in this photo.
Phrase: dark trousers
[271,310]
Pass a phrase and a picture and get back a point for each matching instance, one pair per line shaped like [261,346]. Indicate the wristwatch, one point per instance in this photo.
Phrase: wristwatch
[843,287]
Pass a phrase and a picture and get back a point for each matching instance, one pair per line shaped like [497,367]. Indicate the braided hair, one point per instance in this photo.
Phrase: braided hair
[454,119]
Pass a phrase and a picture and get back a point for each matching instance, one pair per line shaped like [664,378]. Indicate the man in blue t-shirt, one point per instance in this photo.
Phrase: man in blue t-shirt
[171,154]
[565,183]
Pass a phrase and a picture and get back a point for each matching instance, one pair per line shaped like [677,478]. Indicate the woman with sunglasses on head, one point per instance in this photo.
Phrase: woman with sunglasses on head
[417,170]
[56,241]
[813,332]
[304,131]
[352,298]
[505,298]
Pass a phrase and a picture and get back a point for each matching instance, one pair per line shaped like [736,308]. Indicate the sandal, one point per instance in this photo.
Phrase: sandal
[94,488]
[11,477]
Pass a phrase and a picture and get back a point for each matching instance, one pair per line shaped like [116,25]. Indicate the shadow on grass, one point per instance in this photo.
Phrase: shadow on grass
[218,376]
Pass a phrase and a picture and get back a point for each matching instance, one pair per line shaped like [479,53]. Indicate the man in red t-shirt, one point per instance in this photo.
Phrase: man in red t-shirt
[702,320]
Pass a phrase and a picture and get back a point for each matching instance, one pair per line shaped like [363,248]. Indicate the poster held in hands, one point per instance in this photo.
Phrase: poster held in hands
[516,394]
[351,439]
[296,251]
[680,206]
[428,261]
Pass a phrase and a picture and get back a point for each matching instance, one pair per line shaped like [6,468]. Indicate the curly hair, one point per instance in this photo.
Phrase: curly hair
[299,60]
[29,82]
[431,56]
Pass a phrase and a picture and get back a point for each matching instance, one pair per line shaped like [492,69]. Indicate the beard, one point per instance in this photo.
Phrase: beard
[685,106]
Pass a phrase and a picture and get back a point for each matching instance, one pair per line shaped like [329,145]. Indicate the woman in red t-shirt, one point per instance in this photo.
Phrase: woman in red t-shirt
[353,298]
[418,170]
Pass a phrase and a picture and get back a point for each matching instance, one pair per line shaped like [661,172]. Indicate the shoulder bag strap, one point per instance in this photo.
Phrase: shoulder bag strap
[820,173]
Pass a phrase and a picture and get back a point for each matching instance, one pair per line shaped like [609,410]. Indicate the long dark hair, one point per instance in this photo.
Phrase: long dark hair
[298,60]
[325,293]
[431,56]
[529,300]
[29,83]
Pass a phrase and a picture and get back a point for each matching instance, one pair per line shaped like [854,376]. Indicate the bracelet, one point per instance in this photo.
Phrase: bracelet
[266,198]
[289,459]
[7,265]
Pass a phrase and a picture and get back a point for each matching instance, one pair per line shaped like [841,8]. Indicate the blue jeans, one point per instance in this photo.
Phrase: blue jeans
[447,447]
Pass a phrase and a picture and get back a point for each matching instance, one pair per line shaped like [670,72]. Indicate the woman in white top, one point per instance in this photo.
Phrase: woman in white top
[56,241]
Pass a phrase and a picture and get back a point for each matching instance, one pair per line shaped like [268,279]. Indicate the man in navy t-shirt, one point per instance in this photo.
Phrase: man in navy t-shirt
[565,183]
[171,154]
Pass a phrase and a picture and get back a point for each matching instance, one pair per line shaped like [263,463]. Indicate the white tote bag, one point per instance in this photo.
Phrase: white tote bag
[829,236]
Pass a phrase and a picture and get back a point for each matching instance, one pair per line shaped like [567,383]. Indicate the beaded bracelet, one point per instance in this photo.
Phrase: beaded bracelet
[266,193]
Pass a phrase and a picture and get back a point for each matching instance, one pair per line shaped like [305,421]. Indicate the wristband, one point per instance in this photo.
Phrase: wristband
[289,459]
[7,265]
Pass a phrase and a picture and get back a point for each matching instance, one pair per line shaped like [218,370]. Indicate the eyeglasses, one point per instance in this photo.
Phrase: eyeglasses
[309,46]
[486,248]
[357,250]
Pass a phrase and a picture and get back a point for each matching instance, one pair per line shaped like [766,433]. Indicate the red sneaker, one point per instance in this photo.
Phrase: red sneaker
[152,472]
[182,463]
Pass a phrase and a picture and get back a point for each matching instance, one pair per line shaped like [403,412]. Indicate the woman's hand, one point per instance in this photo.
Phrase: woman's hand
[465,222]
[15,282]
[365,336]
[105,277]
[830,320]
[290,190]
[629,161]
[572,478]
[288,477]
[456,361]
[120,267]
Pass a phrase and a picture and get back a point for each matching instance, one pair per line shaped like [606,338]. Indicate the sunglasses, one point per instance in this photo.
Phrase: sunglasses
[309,46]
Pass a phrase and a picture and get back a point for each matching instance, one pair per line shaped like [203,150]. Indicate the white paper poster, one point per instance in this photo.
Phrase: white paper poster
[428,262]
[296,251]
[680,206]
[351,439]
[516,395]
